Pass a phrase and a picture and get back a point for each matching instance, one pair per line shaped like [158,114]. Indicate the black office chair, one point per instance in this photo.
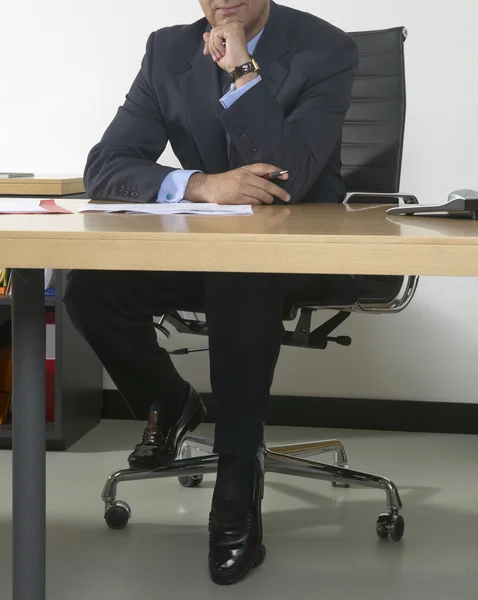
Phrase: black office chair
[372,156]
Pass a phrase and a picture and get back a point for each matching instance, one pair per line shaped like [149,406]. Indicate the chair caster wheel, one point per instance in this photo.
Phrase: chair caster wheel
[344,486]
[390,525]
[190,481]
[117,515]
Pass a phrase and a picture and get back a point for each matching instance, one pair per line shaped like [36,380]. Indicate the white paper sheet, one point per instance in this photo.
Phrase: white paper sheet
[20,205]
[181,208]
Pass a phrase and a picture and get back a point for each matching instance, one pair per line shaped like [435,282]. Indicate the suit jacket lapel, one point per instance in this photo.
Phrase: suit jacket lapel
[272,55]
[272,51]
[201,90]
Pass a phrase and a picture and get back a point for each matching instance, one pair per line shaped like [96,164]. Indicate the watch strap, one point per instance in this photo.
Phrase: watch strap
[249,67]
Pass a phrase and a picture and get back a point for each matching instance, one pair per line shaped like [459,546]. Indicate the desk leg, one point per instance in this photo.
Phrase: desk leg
[28,410]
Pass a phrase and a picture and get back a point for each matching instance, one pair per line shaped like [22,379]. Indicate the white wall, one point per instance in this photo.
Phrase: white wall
[66,66]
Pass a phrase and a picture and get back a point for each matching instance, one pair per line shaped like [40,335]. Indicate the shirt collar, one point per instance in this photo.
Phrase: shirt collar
[251,46]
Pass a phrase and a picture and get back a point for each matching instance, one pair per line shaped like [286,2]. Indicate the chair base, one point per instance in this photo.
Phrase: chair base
[290,459]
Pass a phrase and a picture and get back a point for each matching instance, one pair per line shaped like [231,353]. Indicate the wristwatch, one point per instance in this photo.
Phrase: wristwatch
[250,67]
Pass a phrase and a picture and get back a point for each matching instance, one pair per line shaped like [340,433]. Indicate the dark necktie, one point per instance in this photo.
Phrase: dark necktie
[226,86]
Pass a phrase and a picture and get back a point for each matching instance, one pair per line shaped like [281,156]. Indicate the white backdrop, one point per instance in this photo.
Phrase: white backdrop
[66,67]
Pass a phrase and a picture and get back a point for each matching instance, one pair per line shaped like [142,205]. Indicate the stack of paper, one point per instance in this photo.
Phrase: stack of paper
[181,208]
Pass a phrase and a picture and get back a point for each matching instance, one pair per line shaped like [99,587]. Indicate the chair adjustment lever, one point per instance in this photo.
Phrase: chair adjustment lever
[331,325]
[318,339]
[341,340]
[185,351]
[322,332]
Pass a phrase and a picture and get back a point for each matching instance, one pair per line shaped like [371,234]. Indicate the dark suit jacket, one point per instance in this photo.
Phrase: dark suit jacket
[293,118]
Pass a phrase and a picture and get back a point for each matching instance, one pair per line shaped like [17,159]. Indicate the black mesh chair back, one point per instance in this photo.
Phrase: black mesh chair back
[373,133]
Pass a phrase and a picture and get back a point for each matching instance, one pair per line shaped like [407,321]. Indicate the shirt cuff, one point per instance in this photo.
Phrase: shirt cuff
[174,186]
[228,99]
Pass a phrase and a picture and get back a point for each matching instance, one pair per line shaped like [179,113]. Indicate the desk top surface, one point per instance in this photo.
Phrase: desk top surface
[312,223]
[304,238]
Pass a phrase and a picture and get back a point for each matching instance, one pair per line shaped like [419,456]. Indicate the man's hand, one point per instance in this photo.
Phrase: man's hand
[234,53]
[241,186]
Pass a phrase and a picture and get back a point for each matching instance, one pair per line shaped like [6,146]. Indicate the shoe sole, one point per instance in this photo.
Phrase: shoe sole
[260,558]
[228,580]
[191,426]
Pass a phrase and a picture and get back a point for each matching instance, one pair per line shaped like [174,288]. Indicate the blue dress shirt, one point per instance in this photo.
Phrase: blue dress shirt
[174,185]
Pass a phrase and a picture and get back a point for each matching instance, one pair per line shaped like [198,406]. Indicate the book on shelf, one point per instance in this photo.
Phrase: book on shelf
[6,369]
[6,282]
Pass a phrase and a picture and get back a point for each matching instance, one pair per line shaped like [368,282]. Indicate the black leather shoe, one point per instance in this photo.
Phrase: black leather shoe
[162,438]
[235,536]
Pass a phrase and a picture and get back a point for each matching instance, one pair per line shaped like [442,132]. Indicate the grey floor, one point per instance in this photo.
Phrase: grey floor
[321,541]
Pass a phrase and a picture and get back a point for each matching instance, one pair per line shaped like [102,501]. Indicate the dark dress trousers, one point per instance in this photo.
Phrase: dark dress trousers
[292,119]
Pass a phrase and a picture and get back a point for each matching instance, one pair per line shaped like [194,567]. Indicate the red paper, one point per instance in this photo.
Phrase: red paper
[52,207]
[29,206]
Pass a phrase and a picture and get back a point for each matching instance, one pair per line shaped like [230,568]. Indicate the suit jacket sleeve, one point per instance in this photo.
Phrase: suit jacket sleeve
[302,141]
[123,165]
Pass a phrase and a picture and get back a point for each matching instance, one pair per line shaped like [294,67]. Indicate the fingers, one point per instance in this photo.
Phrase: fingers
[258,194]
[241,199]
[271,188]
[206,44]
[248,195]
[241,186]
[261,169]
[213,45]
[216,48]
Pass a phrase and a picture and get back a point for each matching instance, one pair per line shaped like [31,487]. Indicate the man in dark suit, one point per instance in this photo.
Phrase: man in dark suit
[230,119]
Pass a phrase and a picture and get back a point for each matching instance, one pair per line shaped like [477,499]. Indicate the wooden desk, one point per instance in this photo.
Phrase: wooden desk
[302,239]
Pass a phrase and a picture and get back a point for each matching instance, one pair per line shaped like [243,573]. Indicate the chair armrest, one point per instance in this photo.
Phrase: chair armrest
[406,198]
[399,304]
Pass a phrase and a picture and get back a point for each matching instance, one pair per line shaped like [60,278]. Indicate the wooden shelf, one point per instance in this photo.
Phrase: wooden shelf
[7,300]
[6,430]
[52,438]
[78,379]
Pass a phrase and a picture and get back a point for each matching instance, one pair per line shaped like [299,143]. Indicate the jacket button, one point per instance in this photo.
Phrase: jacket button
[136,194]
[244,138]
